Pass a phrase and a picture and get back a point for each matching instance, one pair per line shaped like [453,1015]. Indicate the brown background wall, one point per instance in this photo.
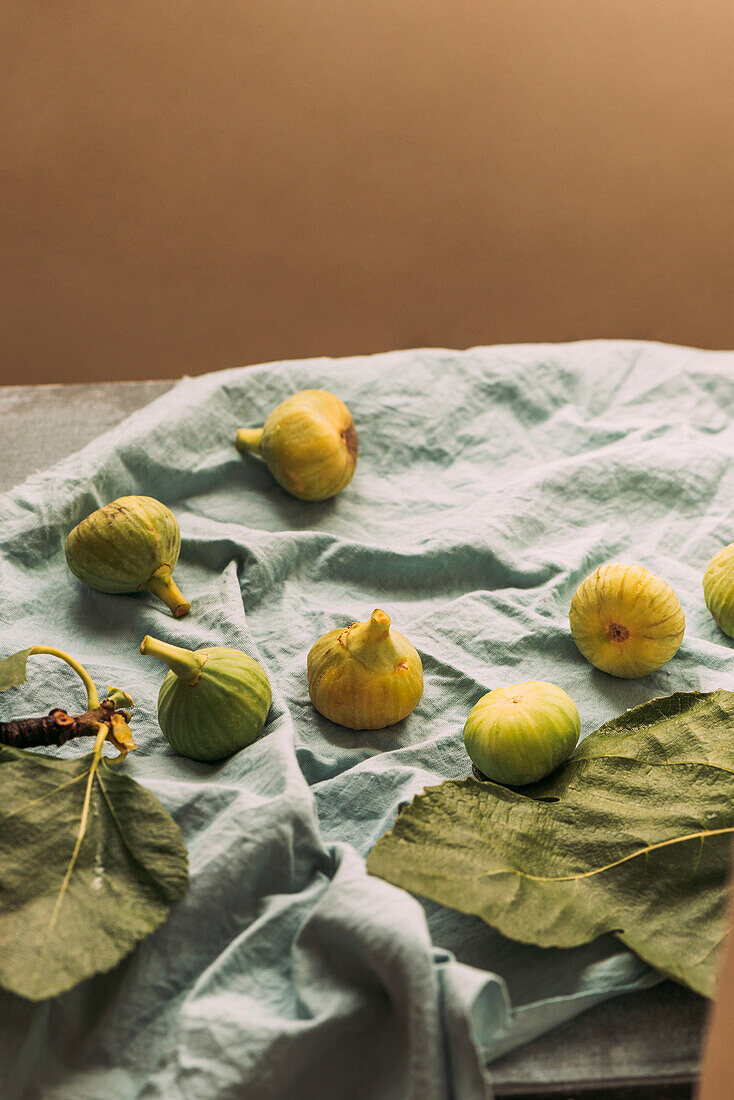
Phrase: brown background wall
[190,185]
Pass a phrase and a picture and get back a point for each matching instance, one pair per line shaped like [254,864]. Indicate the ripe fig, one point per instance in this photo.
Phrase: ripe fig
[365,676]
[309,444]
[213,702]
[522,733]
[130,545]
[718,588]
[625,620]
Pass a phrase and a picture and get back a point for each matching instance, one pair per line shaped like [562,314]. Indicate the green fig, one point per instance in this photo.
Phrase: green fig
[365,676]
[130,545]
[522,733]
[309,444]
[213,701]
[718,588]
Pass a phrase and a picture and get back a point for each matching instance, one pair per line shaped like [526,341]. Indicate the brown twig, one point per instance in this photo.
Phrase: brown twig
[55,728]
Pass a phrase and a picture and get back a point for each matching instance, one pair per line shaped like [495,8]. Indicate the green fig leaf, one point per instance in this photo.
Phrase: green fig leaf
[13,669]
[632,835]
[79,889]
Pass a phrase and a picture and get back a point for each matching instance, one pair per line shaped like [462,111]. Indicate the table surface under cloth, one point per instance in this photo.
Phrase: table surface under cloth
[489,483]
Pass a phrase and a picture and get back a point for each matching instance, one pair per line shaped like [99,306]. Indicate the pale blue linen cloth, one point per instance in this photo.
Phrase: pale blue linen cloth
[489,483]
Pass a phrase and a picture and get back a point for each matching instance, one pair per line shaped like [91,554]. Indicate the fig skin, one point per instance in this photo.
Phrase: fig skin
[213,701]
[718,588]
[365,676]
[625,620]
[309,444]
[130,545]
[520,734]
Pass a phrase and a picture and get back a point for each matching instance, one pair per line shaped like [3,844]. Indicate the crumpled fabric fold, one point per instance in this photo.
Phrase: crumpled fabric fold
[489,483]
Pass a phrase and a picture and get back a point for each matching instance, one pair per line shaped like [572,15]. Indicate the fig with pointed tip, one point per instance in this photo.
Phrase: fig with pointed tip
[718,588]
[365,676]
[522,733]
[213,701]
[309,444]
[130,545]
[625,620]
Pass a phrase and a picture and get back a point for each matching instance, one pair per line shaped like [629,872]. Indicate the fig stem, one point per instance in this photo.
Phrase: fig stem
[86,679]
[379,626]
[249,439]
[183,662]
[162,585]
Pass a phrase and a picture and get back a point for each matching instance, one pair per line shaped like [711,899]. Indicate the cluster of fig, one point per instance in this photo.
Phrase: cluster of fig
[364,676]
[308,442]
[625,620]
[214,701]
